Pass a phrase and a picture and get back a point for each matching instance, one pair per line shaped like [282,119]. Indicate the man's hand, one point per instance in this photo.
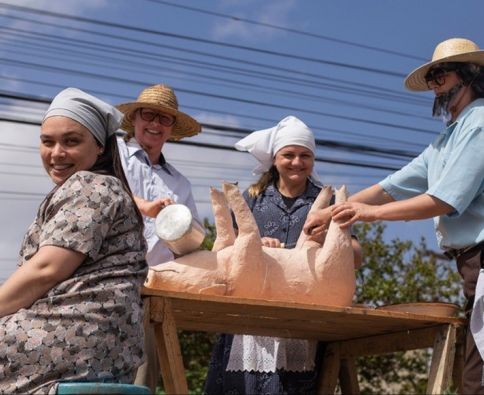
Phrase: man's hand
[346,214]
[152,208]
[317,223]
[318,234]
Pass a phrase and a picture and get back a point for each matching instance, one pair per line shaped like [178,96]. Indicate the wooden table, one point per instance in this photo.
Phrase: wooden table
[349,331]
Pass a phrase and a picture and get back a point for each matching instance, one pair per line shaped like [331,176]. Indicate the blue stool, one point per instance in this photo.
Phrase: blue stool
[102,388]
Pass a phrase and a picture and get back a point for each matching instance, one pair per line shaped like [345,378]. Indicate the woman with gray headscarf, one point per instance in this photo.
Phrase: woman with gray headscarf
[72,310]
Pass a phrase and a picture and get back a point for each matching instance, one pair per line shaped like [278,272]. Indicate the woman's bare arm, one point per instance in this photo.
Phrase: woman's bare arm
[48,267]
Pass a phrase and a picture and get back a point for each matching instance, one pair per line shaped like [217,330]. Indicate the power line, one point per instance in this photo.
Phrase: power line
[327,143]
[18,164]
[295,31]
[230,82]
[216,111]
[385,138]
[244,131]
[378,92]
[24,194]
[9,173]
[197,39]
[229,148]
[216,96]
[319,142]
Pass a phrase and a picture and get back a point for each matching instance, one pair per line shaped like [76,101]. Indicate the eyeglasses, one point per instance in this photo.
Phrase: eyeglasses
[150,115]
[437,75]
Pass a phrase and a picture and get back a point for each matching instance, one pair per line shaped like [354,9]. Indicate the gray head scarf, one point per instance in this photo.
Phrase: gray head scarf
[100,118]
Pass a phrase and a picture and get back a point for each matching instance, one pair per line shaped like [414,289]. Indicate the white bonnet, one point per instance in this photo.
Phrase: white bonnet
[264,144]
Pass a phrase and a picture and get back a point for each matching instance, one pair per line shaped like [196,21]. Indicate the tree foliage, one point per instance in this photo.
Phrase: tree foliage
[400,272]
[392,272]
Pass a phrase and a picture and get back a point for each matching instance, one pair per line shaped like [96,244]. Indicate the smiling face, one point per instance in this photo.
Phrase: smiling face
[66,147]
[151,135]
[294,164]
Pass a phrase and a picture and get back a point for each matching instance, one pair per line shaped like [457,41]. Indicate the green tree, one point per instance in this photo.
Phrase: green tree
[392,272]
[400,272]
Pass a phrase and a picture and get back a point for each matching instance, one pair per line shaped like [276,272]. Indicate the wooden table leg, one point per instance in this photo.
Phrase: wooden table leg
[442,360]
[348,377]
[328,375]
[458,361]
[169,352]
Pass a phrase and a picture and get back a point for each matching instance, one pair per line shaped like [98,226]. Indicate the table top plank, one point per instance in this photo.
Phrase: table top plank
[287,319]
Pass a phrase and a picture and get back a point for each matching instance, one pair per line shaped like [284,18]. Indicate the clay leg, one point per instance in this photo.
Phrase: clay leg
[322,201]
[223,220]
[247,266]
[334,262]
[341,195]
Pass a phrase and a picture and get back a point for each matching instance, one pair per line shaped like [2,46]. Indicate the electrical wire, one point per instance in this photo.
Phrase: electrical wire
[369,90]
[286,29]
[340,132]
[105,23]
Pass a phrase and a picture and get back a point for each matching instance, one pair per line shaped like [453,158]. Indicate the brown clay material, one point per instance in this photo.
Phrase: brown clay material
[241,267]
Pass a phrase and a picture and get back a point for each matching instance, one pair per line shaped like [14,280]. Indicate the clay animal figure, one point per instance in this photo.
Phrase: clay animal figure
[240,266]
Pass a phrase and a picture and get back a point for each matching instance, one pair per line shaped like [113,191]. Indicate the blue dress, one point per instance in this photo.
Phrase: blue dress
[274,219]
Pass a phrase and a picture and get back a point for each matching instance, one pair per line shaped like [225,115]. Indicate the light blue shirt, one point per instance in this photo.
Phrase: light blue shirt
[151,182]
[450,169]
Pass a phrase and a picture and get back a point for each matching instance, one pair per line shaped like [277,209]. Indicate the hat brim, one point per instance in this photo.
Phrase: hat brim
[415,81]
[185,125]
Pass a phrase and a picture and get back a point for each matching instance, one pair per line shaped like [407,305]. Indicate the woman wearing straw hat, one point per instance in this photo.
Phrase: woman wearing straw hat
[280,201]
[444,182]
[149,122]
[72,310]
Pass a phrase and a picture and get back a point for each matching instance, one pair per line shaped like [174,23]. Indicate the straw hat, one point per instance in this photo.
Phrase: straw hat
[451,50]
[160,98]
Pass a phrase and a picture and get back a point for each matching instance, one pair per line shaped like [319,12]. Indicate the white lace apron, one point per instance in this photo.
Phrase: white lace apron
[266,354]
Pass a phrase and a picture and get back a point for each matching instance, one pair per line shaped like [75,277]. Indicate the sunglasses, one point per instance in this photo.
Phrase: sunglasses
[149,116]
[437,74]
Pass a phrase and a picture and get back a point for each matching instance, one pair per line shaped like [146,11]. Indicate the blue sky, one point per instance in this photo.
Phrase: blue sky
[244,64]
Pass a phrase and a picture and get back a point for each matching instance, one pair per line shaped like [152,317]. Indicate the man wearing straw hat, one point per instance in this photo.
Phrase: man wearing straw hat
[149,122]
[444,182]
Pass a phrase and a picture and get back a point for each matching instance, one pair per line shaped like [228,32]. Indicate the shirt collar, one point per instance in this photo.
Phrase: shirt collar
[475,103]
[134,149]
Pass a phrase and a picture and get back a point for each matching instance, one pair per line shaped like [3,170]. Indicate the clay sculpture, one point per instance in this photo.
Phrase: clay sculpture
[240,266]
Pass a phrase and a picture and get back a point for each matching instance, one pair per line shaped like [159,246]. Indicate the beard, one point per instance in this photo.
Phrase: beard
[444,102]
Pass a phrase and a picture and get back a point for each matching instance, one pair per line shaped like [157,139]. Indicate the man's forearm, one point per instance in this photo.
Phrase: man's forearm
[374,195]
[420,207]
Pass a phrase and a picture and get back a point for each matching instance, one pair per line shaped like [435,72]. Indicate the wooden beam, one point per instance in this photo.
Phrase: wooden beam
[328,375]
[458,360]
[442,360]
[169,353]
[382,344]
[348,377]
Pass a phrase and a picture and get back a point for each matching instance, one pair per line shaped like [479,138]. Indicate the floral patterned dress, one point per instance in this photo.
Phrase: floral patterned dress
[88,327]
